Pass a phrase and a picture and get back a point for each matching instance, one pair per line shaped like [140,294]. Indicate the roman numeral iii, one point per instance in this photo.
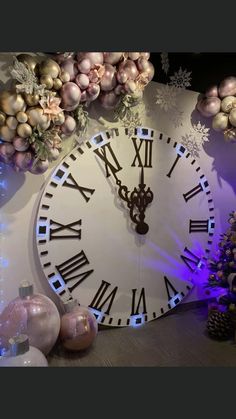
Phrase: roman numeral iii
[146,146]
[70,182]
[70,270]
[70,231]
[111,163]
[103,297]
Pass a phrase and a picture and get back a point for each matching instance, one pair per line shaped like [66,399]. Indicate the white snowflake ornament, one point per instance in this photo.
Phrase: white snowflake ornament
[201,133]
[189,141]
[181,79]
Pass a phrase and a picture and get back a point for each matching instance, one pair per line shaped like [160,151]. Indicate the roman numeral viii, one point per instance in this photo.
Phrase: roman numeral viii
[102,297]
[145,145]
[198,226]
[136,305]
[111,163]
[70,231]
[70,182]
[70,270]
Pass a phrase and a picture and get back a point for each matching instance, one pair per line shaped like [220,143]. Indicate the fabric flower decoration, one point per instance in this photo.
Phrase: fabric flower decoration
[51,107]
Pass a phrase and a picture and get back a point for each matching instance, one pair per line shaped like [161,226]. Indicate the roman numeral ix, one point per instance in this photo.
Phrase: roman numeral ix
[73,184]
[70,270]
[71,232]
[111,164]
[147,152]
[101,297]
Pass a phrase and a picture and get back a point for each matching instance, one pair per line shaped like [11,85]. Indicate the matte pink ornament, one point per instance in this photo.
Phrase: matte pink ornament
[70,66]
[82,81]
[122,76]
[227,87]
[54,154]
[23,161]
[93,57]
[130,68]
[112,57]
[34,315]
[209,106]
[93,92]
[78,327]
[69,125]
[84,96]
[109,100]
[21,144]
[108,80]
[212,91]
[84,66]
[7,150]
[41,166]
[70,94]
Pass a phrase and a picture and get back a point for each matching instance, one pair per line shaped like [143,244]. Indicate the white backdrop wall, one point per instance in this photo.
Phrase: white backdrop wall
[20,192]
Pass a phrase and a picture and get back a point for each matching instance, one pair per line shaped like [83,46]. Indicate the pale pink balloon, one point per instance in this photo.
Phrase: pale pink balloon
[212,91]
[84,66]
[82,81]
[209,106]
[70,66]
[21,144]
[94,57]
[130,68]
[109,100]
[93,91]
[69,125]
[134,55]
[108,81]
[70,94]
[23,160]
[7,150]
[39,167]
[227,87]
[112,57]
[122,76]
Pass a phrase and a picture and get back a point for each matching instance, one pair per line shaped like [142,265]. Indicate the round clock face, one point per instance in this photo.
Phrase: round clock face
[124,224]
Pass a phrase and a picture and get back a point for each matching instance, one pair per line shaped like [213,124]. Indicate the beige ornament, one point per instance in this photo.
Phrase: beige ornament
[21,117]
[11,102]
[6,133]
[29,60]
[49,67]
[2,118]
[232,117]
[64,76]
[57,84]
[220,121]
[230,135]
[228,103]
[59,119]
[47,80]
[24,130]
[37,117]
[11,122]
[31,100]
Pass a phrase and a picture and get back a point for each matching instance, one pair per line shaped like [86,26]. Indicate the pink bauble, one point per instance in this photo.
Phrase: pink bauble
[122,76]
[145,55]
[112,57]
[212,91]
[109,100]
[39,167]
[108,80]
[70,66]
[227,87]
[146,67]
[130,68]
[21,144]
[93,57]
[134,55]
[69,125]
[6,150]
[82,81]
[209,106]
[34,315]
[23,161]
[93,92]
[70,94]
[78,327]
[84,96]
[84,66]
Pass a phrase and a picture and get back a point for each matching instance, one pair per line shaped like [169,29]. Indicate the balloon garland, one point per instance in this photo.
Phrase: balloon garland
[219,103]
[50,97]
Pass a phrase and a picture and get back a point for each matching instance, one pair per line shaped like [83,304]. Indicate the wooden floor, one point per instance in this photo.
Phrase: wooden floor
[178,339]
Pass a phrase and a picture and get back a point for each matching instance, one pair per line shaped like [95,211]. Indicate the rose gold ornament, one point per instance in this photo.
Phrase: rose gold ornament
[122,76]
[70,67]
[31,100]
[130,86]
[78,327]
[108,80]
[6,133]
[23,161]
[82,81]
[11,102]
[209,106]
[69,125]
[93,57]
[112,57]
[134,55]
[24,130]
[130,68]
[49,67]
[109,100]
[47,80]
[54,154]
[84,66]
[212,91]
[145,55]
[34,315]
[70,94]
[227,87]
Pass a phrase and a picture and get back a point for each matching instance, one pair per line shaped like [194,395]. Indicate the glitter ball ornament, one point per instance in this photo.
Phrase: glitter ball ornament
[20,354]
[34,315]
[78,327]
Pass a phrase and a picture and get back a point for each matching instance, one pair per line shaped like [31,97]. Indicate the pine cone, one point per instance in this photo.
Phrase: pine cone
[219,325]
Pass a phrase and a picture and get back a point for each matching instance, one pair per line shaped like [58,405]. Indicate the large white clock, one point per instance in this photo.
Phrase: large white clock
[123,225]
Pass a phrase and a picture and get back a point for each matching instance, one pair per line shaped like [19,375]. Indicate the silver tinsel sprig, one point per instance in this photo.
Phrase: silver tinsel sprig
[28,82]
[43,141]
[82,118]
[123,109]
